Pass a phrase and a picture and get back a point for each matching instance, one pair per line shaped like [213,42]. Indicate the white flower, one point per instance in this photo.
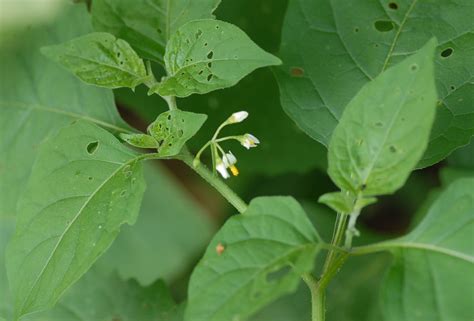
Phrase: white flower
[227,162]
[249,141]
[237,117]
[229,159]
[222,169]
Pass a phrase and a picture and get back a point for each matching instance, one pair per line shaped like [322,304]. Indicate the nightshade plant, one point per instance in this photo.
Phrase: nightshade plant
[387,86]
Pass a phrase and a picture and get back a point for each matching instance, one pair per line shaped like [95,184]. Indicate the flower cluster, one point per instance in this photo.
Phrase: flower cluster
[224,162]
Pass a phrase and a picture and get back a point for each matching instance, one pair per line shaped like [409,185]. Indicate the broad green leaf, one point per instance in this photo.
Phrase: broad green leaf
[332,48]
[101,296]
[432,274]
[205,55]
[384,130]
[148,24]
[254,259]
[172,129]
[140,140]
[85,184]
[44,97]
[100,59]
[170,233]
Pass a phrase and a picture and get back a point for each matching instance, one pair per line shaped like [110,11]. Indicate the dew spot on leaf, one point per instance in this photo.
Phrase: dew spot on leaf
[92,147]
[383,25]
[414,67]
[209,78]
[210,55]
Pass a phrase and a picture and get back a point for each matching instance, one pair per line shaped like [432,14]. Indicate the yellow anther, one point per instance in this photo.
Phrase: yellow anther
[234,170]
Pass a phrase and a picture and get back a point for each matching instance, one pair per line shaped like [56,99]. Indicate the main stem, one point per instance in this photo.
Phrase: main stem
[318,297]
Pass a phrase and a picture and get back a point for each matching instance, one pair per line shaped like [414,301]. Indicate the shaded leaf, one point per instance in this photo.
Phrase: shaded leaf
[100,59]
[84,186]
[254,259]
[148,24]
[170,233]
[44,98]
[101,296]
[205,55]
[332,48]
[384,130]
[432,274]
[172,129]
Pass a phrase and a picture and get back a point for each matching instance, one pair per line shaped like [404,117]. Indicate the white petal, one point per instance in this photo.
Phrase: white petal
[252,138]
[238,117]
[229,159]
[221,168]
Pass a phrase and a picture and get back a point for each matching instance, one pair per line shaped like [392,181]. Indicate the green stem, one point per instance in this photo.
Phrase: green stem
[338,235]
[171,101]
[215,182]
[318,297]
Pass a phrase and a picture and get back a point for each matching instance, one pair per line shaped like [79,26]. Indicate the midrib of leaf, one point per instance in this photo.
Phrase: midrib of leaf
[65,113]
[53,252]
[413,245]
[389,130]
[397,35]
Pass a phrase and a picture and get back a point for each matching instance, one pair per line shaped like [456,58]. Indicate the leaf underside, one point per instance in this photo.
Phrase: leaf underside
[432,274]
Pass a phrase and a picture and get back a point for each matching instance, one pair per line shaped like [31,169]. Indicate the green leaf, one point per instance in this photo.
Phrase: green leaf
[332,48]
[255,258]
[170,232]
[463,157]
[100,59]
[384,130]
[206,55]
[101,296]
[341,202]
[7,227]
[84,186]
[172,129]
[148,24]
[44,97]
[140,140]
[432,274]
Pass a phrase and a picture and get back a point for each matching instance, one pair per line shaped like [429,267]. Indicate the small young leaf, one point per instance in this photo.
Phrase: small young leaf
[384,130]
[84,186]
[254,259]
[140,140]
[172,129]
[205,55]
[100,59]
[432,274]
[341,202]
[148,24]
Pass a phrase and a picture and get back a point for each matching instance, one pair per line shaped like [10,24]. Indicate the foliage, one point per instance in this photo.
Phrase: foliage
[94,233]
